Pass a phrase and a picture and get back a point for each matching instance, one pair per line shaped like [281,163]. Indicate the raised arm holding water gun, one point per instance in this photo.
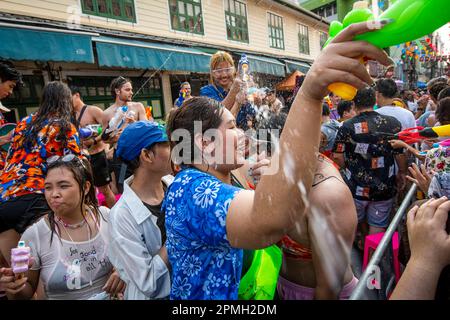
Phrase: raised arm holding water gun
[242,97]
[410,20]
[256,219]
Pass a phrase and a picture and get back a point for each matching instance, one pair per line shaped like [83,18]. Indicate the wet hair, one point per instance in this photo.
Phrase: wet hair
[365,98]
[82,173]
[344,106]
[218,57]
[9,73]
[436,88]
[56,108]
[118,83]
[134,164]
[387,87]
[325,109]
[444,93]
[443,111]
[75,89]
[207,111]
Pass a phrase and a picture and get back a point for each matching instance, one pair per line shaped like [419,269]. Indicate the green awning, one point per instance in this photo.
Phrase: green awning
[44,44]
[291,66]
[266,65]
[132,54]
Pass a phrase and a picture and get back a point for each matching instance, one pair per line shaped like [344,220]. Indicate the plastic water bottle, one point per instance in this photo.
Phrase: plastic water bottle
[244,68]
[118,120]
[130,114]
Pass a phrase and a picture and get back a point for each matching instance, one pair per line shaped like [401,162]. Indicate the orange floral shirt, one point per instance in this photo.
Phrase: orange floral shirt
[3,153]
[25,169]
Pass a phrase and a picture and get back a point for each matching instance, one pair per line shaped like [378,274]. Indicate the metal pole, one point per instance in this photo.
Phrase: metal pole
[385,241]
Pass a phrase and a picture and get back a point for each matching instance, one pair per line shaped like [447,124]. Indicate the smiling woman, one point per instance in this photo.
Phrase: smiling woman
[208,220]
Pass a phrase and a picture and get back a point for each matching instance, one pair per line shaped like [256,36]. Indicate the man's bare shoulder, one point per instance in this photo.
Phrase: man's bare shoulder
[137,105]
[110,109]
[94,109]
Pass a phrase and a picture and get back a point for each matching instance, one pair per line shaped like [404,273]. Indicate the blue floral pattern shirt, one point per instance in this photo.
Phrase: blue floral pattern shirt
[204,265]
[214,92]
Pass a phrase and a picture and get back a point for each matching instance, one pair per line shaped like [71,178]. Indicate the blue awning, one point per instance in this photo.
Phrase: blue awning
[291,66]
[266,65]
[132,54]
[42,44]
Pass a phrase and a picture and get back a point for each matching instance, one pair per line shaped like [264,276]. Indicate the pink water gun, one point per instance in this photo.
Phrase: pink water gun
[20,258]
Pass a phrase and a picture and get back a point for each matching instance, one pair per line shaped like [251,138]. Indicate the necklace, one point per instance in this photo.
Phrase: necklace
[71,226]
[76,246]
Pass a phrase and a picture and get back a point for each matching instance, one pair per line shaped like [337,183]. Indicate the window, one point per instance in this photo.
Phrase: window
[236,19]
[303,39]
[114,9]
[276,36]
[327,10]
[186,15]
[323,39]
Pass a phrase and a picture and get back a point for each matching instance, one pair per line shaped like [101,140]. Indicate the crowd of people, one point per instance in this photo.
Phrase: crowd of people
[208,205]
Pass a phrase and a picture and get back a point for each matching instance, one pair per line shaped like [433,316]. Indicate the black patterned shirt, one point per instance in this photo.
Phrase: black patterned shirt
[370,169]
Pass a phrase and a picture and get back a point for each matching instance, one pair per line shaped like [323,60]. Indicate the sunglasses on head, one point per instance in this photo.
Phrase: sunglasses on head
[66,159]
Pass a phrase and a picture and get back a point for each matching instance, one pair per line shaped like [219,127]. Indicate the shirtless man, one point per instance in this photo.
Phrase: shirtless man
[87,115]
[122,92]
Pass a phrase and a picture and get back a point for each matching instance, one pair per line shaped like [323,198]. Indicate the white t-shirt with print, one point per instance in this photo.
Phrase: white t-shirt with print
[405,117]
[70,270]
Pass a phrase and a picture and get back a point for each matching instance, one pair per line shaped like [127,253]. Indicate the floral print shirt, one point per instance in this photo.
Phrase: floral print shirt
[440,185]
[204,265]
[25,168]
[370,168]
[3,153]
[438,159]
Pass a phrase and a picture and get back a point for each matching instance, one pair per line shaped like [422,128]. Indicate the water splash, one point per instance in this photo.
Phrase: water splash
[334,253]
[303,194]
[289,167]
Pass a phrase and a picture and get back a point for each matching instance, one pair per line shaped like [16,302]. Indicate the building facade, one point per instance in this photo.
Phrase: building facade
[329,9]
[157,43]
